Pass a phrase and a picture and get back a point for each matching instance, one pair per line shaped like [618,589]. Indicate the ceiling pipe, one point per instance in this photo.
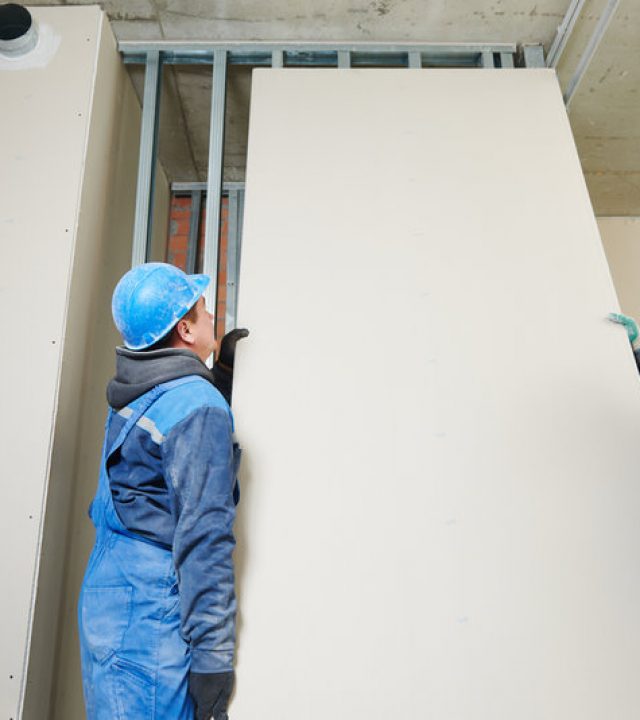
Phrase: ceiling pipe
[589,51]
[564,33]
[18,30]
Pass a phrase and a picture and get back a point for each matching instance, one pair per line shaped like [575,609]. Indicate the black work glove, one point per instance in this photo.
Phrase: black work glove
[223,367]
[210,693]
[227,352]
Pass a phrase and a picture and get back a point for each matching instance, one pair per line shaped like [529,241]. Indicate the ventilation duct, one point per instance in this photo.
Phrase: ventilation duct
[18,30]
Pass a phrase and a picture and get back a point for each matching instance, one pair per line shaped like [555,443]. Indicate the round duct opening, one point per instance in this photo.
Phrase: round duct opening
[18,31]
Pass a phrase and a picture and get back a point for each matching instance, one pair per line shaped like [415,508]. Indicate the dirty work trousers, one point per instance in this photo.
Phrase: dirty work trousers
[135,663]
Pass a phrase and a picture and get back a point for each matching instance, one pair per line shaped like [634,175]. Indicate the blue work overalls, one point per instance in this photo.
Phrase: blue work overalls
[135,663]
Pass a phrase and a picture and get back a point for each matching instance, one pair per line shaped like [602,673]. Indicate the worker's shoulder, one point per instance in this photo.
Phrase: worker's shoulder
[182,398]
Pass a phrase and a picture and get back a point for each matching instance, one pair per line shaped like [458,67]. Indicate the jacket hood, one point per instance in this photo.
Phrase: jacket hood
[138,371]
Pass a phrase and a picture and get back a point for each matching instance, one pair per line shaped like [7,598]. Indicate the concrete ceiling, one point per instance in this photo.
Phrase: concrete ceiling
[604,114]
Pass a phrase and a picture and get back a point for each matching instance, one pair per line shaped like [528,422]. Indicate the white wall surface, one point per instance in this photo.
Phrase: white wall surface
[440,487]
[67,169]
[621,240]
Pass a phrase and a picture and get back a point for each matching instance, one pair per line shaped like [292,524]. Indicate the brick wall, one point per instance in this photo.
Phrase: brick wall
[177,242]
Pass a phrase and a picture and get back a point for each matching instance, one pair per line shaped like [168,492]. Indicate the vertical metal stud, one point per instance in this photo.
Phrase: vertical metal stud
[147,159]
[214,177]
[239,234]
[414,60]
[564,32]
[232,261]
[344,59]
[533,56]
[277,59]
[506,60]
[194,230]
[487,59]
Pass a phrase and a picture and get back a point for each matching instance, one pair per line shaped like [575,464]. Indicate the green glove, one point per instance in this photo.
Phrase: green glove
[628,323]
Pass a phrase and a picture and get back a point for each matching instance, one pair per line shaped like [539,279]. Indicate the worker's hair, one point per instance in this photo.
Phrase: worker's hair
[165,342]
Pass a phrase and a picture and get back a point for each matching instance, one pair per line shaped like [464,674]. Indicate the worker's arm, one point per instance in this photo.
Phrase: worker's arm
[630,325]
[199,468]
[223,368]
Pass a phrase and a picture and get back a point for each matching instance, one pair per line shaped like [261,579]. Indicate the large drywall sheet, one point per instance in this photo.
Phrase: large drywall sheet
[441,499]
[69,172]
[108,206]
[45,118]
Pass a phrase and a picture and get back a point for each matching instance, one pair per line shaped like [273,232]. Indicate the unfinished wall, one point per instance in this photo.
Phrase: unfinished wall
[66,213]
[621,240]
[440,483]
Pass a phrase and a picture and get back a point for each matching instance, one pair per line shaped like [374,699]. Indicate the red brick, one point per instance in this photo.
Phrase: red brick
[181,206]
[179,226]
[179,259]
[178,243]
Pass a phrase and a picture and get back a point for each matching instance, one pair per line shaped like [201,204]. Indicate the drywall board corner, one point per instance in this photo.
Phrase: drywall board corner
[440,498]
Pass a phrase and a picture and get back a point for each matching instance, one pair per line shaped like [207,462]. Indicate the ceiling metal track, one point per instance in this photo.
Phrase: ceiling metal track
[563,36]
[590,50]
[565,29]
[263,54]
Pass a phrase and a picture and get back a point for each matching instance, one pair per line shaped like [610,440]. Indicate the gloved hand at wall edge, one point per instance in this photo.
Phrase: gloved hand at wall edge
[211,693]
[629,324]
[223,368]
[227,352]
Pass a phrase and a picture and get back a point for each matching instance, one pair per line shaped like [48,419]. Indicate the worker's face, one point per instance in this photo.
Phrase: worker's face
[203,332]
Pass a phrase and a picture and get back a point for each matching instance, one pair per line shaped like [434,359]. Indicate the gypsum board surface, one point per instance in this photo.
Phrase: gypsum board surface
[440,495]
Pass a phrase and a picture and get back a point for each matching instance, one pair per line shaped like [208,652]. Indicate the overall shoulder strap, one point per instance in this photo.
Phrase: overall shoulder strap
[144,403]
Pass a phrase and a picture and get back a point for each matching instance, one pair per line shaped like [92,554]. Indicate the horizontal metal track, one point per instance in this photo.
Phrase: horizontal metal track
[185,186]
[310,54]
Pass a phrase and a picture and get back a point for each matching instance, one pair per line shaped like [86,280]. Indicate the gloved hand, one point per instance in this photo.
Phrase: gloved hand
[628,323]
[223,367]
[227,352]
[210,693]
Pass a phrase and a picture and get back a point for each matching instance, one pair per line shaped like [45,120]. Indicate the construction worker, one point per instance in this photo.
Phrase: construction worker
[157,606]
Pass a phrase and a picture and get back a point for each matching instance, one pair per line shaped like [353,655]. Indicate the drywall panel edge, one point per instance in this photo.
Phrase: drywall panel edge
[45,113]
[80,309]
[113,238]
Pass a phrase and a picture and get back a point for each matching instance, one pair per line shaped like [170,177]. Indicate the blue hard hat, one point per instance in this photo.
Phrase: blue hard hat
[150,299]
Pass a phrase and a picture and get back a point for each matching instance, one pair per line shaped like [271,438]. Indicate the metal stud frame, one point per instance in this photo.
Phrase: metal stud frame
[276,55]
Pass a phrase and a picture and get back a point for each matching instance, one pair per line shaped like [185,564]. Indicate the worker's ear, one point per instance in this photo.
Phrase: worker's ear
[185,333]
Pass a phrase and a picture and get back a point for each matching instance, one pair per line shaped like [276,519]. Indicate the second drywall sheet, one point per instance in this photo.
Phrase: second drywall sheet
[441,501]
